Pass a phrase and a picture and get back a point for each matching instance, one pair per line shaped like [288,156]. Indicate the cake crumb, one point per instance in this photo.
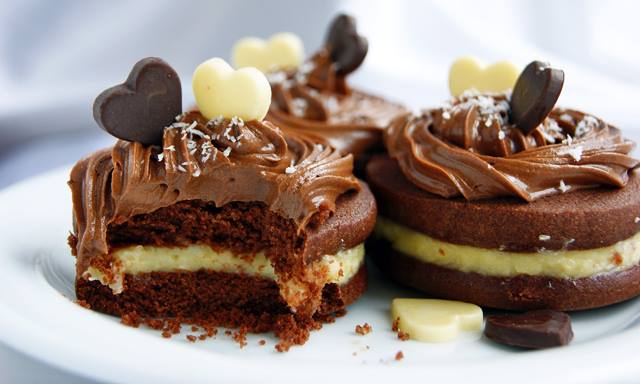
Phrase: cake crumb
[191,338]
[262,342]
[166,334]
[173,326]
[132,319]
[395,324]
[363,329]
[155,324]
[399,356]
[211,331]
[617,258]
[194,328]
[240,337]
[404,336]
[83,304]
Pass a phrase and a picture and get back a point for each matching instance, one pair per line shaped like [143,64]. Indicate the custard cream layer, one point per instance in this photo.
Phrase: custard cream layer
[571,264]
[338,268]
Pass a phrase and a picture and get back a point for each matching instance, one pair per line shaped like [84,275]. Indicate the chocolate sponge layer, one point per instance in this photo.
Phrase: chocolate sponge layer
[584,219]
[225,299]
[219,299]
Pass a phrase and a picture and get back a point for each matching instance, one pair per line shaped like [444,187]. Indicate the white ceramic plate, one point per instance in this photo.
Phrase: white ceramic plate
[38,316]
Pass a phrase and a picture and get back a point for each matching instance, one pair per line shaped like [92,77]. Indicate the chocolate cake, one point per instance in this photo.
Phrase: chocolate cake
[216,220]
[480,206]
[316,98]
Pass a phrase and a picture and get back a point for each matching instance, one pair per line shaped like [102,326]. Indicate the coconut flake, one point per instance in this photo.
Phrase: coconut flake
[290,169]
[575,152]
[563,187]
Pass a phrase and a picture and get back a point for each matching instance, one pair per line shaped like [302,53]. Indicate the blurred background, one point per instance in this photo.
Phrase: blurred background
[56,56]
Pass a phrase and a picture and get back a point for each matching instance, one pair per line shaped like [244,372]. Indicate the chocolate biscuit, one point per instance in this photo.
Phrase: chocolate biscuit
[521,292]
[583,219]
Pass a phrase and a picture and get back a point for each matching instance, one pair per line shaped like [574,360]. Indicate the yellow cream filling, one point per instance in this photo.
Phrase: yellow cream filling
[338,268]
[560,263]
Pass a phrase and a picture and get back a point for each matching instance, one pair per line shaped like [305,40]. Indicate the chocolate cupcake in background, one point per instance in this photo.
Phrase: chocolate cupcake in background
[316,98]
[504,200]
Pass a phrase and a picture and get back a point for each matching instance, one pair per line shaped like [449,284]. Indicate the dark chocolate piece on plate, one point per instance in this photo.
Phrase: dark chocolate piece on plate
[140,108]
[346,47]
[532,330]
[535,94]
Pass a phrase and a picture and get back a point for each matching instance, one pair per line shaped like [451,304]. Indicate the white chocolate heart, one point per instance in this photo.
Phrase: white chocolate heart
[282,51]
[434,320]
[470,73]
[222,91]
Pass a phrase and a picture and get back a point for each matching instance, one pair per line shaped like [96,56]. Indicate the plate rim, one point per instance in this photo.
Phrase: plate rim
[583,362]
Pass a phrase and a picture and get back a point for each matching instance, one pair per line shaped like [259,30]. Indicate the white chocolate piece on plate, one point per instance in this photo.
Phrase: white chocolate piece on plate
[434,320]
[470,73]
[220,90]
[282,51]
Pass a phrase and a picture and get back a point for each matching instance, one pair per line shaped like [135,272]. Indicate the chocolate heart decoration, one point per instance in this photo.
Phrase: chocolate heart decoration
[533,329]
[346,47]
[535,94]
[140,108]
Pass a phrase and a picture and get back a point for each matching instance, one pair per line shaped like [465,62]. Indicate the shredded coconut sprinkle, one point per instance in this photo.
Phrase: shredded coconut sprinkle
[575,152]
[268,147]
[227,152]
[544,237]
[563,187]
[290,169]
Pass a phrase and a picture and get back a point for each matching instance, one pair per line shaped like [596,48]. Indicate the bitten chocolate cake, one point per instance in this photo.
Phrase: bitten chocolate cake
[507,202]
[315,98]
[226,221]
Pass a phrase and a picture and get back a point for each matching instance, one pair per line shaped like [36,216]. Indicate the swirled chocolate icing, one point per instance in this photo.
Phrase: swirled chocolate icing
[220,161]
[317,100]
[470,148]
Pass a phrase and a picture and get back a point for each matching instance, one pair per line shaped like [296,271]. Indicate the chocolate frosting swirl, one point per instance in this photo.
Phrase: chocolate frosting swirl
[317,100]
[218,160]
[470,148]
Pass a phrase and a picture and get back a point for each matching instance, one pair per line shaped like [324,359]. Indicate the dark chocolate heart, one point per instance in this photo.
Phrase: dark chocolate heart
[533,329]
[535,94]
[346,47]
[140,108]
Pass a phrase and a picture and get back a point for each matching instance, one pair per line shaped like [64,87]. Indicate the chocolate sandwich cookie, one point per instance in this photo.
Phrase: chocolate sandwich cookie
[316,98]
[474,209]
